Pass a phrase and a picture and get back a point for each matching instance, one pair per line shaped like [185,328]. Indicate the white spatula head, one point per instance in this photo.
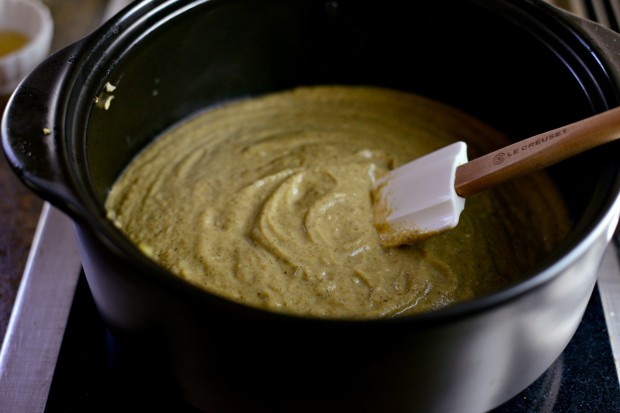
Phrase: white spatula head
[418,200]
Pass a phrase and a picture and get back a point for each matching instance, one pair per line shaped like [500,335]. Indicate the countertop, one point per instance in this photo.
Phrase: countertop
[19,207]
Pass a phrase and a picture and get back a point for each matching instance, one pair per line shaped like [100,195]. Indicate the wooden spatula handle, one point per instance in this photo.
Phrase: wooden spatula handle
[537,152]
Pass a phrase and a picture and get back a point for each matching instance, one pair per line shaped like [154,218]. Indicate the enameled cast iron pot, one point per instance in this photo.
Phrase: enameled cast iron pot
[522,66]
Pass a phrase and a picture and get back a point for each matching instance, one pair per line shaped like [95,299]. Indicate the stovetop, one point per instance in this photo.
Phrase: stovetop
[92,376]
[59,357]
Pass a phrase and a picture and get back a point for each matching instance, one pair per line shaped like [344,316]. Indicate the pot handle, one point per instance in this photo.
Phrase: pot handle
[33,132]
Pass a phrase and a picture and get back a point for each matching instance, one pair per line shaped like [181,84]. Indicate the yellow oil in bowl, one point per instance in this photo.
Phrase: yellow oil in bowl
[11,41]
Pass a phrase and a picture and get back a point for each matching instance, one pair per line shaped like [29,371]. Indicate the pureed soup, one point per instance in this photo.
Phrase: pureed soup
[267,201]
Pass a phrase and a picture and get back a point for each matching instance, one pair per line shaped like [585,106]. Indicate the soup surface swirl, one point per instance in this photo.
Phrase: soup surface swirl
[267,201]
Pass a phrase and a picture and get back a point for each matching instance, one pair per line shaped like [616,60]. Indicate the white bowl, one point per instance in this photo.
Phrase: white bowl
[33,19]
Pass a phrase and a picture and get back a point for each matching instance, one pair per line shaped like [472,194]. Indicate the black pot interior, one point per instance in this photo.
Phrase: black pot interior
[513,64]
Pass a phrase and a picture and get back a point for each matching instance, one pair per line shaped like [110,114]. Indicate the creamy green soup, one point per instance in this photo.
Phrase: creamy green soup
[267,201]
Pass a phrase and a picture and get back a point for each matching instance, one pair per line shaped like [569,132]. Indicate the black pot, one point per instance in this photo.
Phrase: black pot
[521,66]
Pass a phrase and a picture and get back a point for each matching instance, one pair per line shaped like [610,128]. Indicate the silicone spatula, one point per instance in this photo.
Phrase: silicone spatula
[426,196]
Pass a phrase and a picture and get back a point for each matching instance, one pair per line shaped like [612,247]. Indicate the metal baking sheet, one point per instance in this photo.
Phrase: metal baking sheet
[609,288]
[39,317]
